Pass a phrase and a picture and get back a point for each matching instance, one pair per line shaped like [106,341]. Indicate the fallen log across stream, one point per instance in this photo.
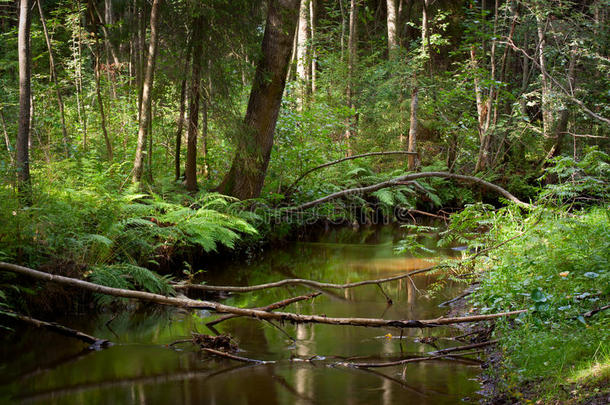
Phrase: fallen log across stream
[301,281]
[253,313]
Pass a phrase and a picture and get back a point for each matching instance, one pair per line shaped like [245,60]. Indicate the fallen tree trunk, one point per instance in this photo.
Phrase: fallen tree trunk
[409,177]
[334,162]
[60,329]
[254,313]
[300,281]
[270,307]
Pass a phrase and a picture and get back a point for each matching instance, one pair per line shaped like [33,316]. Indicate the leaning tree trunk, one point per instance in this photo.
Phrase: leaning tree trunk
[145,109]
[60,102]
[23,134]
[193,119]
[247,174]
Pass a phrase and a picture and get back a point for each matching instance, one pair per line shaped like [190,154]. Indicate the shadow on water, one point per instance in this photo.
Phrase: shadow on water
[43,368]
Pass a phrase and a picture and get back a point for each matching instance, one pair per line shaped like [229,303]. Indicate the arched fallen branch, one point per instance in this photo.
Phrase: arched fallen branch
[300,281]
[334,162]
[253,313]
[409,177]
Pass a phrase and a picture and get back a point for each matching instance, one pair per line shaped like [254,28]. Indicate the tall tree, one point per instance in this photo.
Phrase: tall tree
[352,55]
[391,22]
[23,134]
[146,104]
[247,174]
[187,60]
[60,101]
[302,54]
[194,98]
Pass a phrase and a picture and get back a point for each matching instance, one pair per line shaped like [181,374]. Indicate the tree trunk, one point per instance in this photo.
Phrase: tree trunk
[182,112]
[351,65]
[145,109]
[194,97]
[98,90]
[561,124]
[302,57]
[412,159]
[313,53]
[392,21]
[6,138]
[247,174]
[23,134]
[547,114]
[60,102]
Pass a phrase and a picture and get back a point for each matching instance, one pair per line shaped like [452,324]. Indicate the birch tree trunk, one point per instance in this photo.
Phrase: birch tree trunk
[352,56]
[145,109]
[412,159]
[312,41]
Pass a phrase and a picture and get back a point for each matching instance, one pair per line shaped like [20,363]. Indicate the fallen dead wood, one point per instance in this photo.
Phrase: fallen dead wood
[465,347]
[60,329]
[334,162]
[400,362]
[451,301]
[409,177]
[254,313]
[301,281]
[236,358]
[270,307]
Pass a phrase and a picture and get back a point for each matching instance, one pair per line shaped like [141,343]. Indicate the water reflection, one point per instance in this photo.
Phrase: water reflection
[43,368]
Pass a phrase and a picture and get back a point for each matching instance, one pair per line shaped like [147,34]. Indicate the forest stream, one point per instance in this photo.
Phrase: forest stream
[46,368]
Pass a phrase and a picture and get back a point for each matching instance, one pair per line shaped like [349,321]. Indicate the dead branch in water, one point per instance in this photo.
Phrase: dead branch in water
[401,362]
[465,347]
[236,358]
[301,281]
[60,329]
[270,307]
[254,313]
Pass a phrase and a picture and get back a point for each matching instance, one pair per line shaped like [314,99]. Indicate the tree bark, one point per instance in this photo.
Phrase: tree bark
[23,134]
[302,54]
[312,45]
[412,158]
[194,98]
[60,102]
[6,138]
[145,108]
[352,56]
[547,114]
[182,112]
[247,174]
[391,22]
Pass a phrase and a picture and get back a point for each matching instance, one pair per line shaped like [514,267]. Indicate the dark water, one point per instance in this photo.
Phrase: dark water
[44,368]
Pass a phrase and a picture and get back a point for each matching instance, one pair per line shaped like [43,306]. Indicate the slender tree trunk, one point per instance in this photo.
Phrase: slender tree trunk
[247,174]
[182,112]
[194,98]
[302,57]
[352,56]
[145,109]
[141,54]
[313,53]
[98,90]
[391,21]
[561,124]
[23,134]
[412,159]
[60,102]
[6,138]
[204,135]
[547,114]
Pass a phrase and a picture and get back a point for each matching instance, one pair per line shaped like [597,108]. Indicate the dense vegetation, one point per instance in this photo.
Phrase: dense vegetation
[139,134]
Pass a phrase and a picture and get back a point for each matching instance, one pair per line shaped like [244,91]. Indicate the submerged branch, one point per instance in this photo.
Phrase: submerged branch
[60,329]
[254,313]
